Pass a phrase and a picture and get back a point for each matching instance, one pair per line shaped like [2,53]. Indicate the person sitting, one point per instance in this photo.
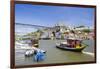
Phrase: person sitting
[78,44]
[73,44]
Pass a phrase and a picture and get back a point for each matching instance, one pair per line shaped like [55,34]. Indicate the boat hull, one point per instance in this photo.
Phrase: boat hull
[71,49]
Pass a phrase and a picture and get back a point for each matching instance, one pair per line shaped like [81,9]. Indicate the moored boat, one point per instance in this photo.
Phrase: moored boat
[71,49]
[75,45]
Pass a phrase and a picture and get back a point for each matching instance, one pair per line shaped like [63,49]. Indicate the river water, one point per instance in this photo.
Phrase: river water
[55,55]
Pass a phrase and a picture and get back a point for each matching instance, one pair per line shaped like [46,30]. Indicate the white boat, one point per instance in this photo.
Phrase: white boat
[29,52]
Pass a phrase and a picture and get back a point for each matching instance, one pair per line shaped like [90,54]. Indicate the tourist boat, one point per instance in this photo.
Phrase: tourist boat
[67,45]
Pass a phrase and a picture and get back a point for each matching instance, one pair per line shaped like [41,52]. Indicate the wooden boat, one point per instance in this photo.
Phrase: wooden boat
[67,46]
[71,49]
[34,43]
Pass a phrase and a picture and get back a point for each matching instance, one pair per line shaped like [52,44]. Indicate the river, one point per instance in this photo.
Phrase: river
[55,55]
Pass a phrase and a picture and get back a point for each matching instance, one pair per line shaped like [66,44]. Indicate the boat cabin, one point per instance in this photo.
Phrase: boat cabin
[74,43]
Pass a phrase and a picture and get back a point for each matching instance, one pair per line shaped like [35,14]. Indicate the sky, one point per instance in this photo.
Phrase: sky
[50,15]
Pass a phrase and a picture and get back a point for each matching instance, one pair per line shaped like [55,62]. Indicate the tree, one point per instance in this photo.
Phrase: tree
[80,26]
[86,30]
